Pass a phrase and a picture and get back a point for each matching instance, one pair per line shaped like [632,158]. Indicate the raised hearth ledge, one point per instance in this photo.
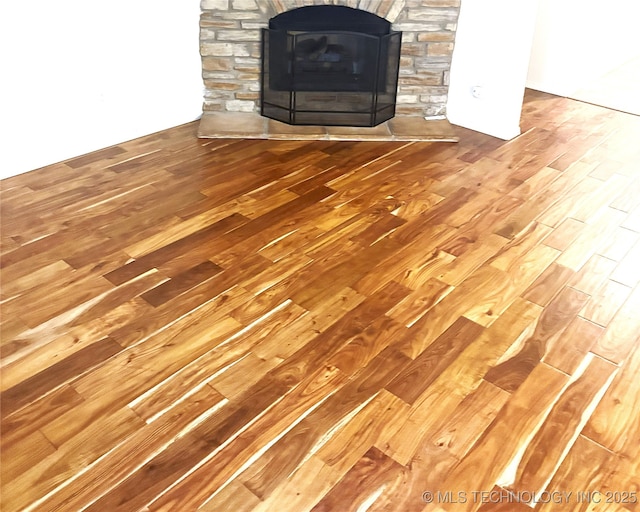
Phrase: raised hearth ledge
[249,125]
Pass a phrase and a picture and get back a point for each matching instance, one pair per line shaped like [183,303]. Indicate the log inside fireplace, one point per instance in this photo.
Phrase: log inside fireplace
[329,65]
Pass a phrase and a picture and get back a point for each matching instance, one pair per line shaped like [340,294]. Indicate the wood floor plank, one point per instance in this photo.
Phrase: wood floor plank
[441,316]
[425,369]
[564,234]
[459,379]
[519,245]
[281,325]
[38,308]
[545,198]
[621,472]
[27,283]
[619,244]
[366,345]
[173,249]
[394,265]
[373,425]
[73,366]
[128,455]
[40,347]
[204,369]
[592,274]
[474,414]
[258,439]
[561,426]
[18,457]
[627,270]
[536,182]
[304,488]
[594,235]
[492,453]
[311,433]
[578,474]
[621,335]
[215,292]
[456,270]
[573,345]
[96,156]
[480,223]
[286,342]
[606,302]
[572,202]
[407,442]
[181,457]
[354,490]
[415,305]
[530,266]
[69,459]
[511,373]
[344,274]
[181,283]
[614,423]
[548,284]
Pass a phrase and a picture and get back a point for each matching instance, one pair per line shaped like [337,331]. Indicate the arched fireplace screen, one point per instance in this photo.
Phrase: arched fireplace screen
[329,65]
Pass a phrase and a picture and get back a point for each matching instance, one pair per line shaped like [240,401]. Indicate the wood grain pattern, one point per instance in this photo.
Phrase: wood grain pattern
[582,471]
[261,325]
[425,369]
[562,425]
[510,373]
[619,431]
[493,452]
[474,414]
[363,482]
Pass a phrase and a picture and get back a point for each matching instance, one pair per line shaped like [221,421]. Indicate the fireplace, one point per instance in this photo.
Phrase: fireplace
[329,65]
[231,43]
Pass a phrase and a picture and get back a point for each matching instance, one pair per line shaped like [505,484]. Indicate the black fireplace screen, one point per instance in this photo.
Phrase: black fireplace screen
[329,65]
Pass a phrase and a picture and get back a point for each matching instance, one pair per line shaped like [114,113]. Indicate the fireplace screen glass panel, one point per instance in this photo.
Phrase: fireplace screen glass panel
[329,77]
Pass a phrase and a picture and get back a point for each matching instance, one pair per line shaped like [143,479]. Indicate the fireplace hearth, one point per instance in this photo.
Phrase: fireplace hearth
[329,65]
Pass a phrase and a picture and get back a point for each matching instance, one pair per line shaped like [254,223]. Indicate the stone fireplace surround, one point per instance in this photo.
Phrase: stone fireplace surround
[230,32]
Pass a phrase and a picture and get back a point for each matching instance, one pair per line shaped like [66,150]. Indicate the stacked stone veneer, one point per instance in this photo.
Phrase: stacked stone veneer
[230,34]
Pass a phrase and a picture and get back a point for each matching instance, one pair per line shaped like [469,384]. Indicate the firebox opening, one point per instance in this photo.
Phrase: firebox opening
[329,65]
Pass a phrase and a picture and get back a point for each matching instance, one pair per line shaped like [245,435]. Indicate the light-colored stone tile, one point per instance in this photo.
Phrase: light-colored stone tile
[244,5]
[207,34]
[239,35]
[242,15]
[235,125]
[224,86]
[241,50]
[406,98]
[240,106]
[221,5]
[254,96]
[216,49]
[440,49]
[379,132]
[420,128]
[215,64]
[254,126]
[441,3]
[429,37]
[278,130]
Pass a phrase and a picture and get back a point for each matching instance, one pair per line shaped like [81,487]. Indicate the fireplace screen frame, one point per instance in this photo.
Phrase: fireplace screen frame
[332,90]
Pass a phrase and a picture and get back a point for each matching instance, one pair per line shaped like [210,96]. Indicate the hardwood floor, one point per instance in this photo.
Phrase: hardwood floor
[234,325]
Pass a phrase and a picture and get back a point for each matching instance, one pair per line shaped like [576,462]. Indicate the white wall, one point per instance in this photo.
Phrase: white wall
[80,75]
[576,41]
[492,49]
